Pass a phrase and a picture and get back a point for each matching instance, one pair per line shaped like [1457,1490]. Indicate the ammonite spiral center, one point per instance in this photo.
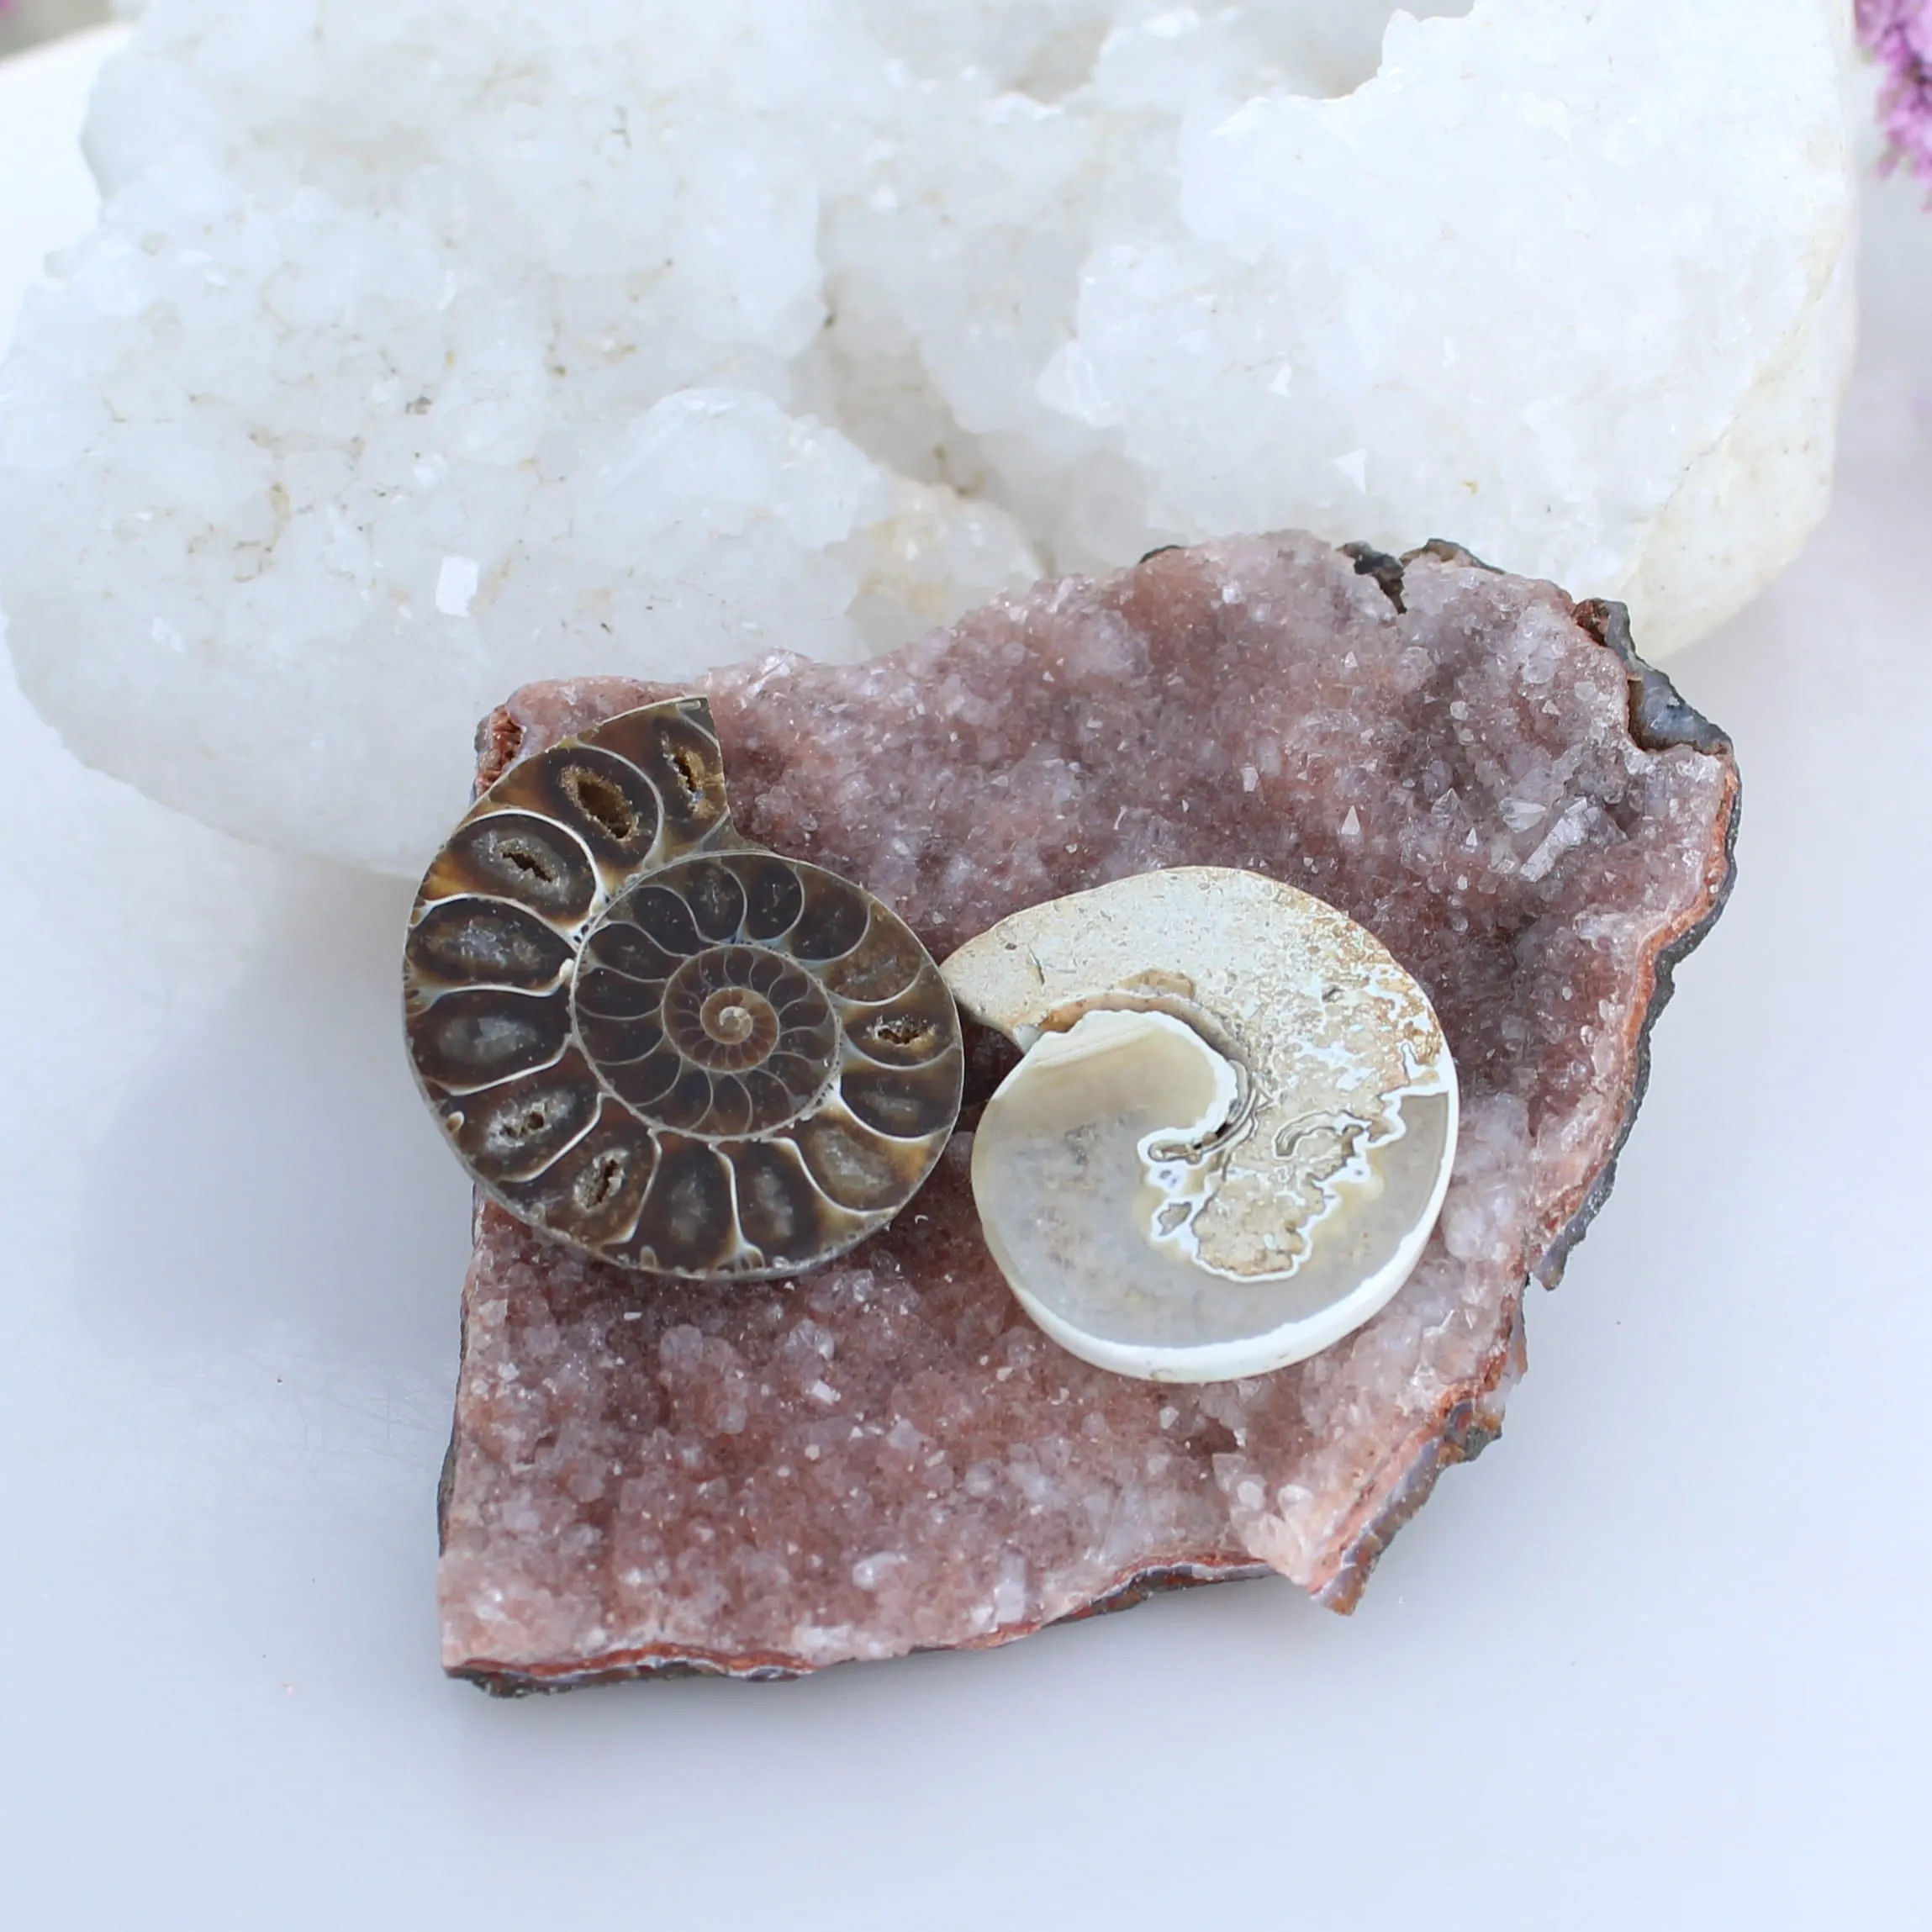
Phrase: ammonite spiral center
[729,1020]
[721,1041]
[729,1008]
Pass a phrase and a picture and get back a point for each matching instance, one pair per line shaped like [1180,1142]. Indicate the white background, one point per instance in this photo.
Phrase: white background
[1659,1660]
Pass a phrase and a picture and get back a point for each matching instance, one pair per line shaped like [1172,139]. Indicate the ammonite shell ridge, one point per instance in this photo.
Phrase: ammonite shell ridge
[658,1042]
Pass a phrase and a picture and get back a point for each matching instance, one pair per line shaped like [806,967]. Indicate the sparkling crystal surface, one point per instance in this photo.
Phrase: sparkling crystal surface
[884,1455]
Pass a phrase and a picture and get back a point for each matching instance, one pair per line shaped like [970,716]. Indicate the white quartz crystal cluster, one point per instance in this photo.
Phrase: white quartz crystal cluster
[427,347]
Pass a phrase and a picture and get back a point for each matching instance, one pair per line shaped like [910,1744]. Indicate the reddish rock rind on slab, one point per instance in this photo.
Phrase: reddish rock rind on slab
[884,1456]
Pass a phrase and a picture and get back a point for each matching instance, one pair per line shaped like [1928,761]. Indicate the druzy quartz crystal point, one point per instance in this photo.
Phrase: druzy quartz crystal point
[885,1454]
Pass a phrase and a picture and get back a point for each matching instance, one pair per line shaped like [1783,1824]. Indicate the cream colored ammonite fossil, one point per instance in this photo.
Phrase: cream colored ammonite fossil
[658,1042]
[1231,1130]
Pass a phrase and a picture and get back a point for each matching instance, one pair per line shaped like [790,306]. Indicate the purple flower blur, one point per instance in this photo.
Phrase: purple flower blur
[1899,33]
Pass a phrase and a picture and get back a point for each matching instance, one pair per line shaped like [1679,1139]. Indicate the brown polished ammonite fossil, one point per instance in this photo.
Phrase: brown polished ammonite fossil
[661,1043]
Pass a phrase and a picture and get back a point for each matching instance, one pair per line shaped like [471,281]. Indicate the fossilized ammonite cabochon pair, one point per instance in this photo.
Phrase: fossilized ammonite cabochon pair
[658,1042]
[1226,1142]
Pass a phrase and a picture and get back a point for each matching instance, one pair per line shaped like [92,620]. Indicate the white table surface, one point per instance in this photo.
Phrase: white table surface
[1659,1659]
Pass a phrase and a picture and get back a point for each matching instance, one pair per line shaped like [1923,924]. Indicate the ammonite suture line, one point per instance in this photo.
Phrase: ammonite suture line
[658,1042]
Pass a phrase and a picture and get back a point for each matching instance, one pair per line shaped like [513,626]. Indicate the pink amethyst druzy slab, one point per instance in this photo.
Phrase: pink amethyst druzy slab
[885,1455]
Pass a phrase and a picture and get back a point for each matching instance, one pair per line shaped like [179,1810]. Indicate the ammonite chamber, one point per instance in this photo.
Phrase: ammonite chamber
[661,1043]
